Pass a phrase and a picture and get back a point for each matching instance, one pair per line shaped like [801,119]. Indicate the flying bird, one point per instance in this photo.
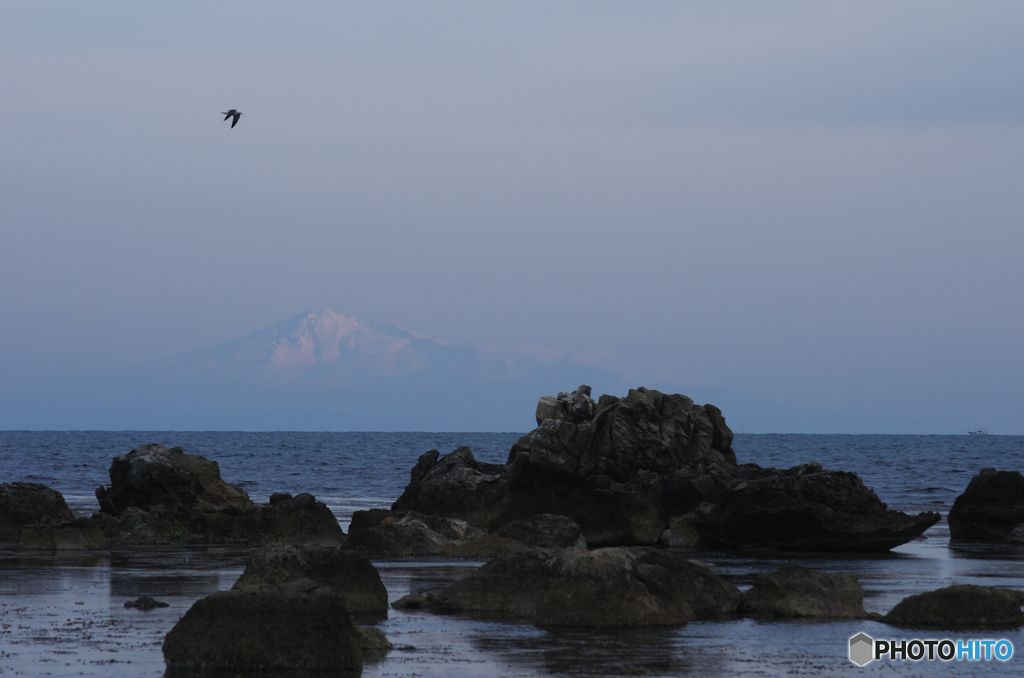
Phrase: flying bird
[232,114]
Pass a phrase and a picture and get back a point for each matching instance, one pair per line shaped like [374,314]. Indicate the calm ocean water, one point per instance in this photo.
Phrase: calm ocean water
[70,619]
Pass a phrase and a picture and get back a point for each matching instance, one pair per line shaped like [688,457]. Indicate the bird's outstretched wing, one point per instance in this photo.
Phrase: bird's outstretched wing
[228,114]
[235,121]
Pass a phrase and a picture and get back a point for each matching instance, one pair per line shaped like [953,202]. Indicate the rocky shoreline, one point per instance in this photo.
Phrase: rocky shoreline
[590,522]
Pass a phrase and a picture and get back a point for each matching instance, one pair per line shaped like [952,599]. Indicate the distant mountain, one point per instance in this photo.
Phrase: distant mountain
[322,370]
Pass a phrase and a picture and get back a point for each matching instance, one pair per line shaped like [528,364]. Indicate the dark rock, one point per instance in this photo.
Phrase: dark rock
[544,531]
[795,591]
[373,642]
[74,535]
[312,567]
[265,631]
[953,607]
[413,601]
[990,509]
[23,504]
[162,496]
[647,430]
[456,486]
[188,485]
[576,407]
[290,520]
[626,472]
[576,587]
[408,534]
[145,603]
[807,509]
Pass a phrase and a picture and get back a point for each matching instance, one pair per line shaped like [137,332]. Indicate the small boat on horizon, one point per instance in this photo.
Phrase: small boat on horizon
[979,432]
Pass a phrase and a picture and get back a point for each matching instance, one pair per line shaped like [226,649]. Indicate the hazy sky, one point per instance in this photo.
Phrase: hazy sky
[815,204]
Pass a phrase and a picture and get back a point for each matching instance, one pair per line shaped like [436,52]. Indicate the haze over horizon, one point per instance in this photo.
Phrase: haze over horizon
[809,213]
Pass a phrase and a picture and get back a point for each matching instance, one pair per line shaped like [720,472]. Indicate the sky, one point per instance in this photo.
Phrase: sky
[815,206]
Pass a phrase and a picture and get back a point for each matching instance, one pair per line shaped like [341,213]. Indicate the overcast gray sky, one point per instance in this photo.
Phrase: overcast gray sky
[813,204]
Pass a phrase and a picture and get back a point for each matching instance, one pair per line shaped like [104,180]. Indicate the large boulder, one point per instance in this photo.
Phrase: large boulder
[647,430]
[965,606]
[284,520]
[456,486]
[655,468]
[23,504]
[261,630]
[795,591]
[990,509]
[187,485]
[314,567]
[806,509]
[602,588]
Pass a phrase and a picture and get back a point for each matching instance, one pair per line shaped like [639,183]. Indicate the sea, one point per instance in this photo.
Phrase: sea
[63,614]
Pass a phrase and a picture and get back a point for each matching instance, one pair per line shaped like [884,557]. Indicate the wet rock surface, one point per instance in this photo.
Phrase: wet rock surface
[795,591]
[23,504]
[314,567]
[612,587]
[990,509]
[965,606]
[265,631]
[80,534]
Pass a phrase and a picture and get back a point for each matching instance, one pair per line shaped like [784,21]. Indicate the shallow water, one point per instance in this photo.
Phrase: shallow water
[64,614]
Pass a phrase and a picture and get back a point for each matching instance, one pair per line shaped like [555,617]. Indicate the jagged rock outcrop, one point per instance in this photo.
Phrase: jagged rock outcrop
[795,591]
[647,430]
[314,567]
[23,504]
[990,509]
[806,509]
[965,606]
[456,486]
[575,587]
[629,469]
[279,631]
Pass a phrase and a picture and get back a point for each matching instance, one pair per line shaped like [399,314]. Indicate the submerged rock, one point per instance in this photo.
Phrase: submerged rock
[965,606]
[313,567]
[795,591]
[576,587]
[241,630]
[990,509]
[145,603]
[23,504]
